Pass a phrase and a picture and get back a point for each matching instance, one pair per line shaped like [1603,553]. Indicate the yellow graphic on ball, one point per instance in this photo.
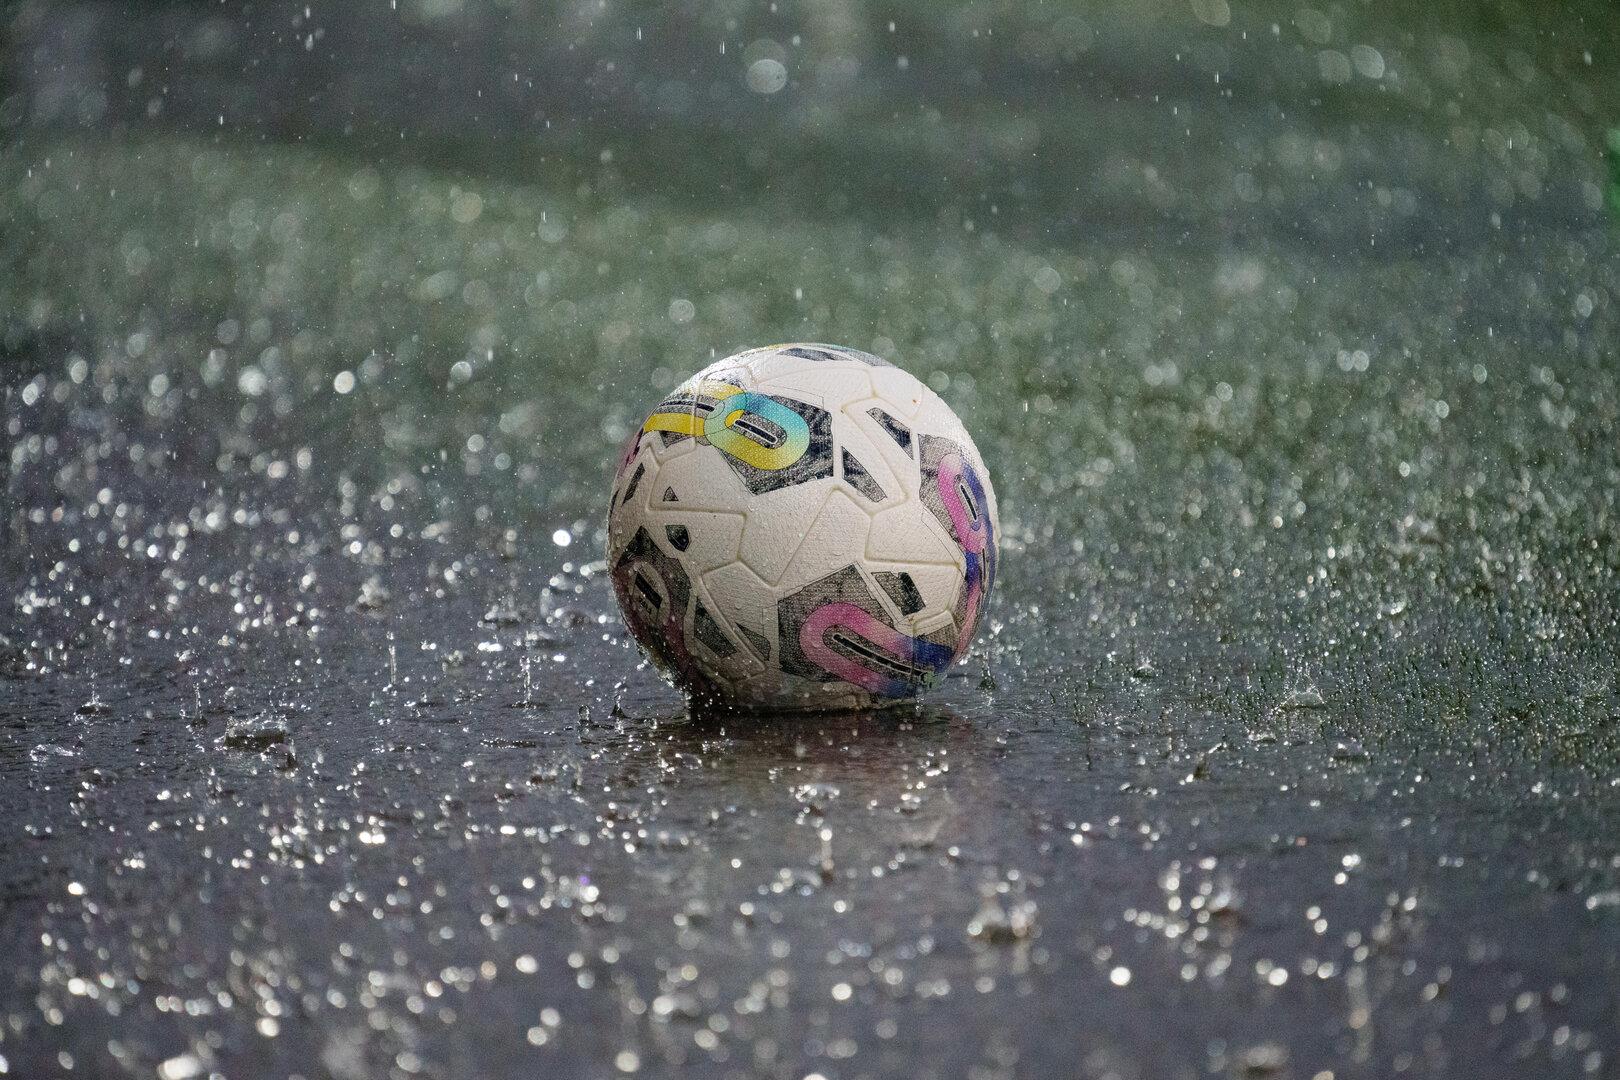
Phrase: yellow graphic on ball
[735,428]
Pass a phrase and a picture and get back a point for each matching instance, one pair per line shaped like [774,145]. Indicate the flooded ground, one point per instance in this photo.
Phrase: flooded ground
[1291,748]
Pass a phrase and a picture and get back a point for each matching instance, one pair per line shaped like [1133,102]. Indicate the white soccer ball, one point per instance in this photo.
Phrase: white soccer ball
[802,526]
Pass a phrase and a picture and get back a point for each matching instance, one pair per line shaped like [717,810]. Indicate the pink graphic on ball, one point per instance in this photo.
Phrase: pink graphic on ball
[909,661]
[963,496]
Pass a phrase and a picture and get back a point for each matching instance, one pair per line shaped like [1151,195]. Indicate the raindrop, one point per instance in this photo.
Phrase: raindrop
[1349,750]
[1212,12]
[766,76]
[1307,697]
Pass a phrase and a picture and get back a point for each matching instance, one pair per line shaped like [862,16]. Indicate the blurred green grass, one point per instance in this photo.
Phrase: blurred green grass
[539,317]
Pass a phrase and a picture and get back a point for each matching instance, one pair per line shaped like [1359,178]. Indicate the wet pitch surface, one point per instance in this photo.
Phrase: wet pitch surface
[279,802]
[1291,747]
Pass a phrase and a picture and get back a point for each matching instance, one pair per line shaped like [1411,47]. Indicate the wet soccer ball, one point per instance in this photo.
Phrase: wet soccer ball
[802,526]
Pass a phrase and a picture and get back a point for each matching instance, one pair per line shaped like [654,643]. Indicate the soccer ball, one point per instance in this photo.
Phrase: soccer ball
[802,526]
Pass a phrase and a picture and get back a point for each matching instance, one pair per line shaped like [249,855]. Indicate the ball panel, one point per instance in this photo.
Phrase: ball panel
[936,588]
[901,588]
[823,384]
[830,539]
[860,479]
[820,353]
[747,600]
[712,539]
[775,531]
[700,482]
[900,390]
[719,650]
[872,441]
[908,535]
